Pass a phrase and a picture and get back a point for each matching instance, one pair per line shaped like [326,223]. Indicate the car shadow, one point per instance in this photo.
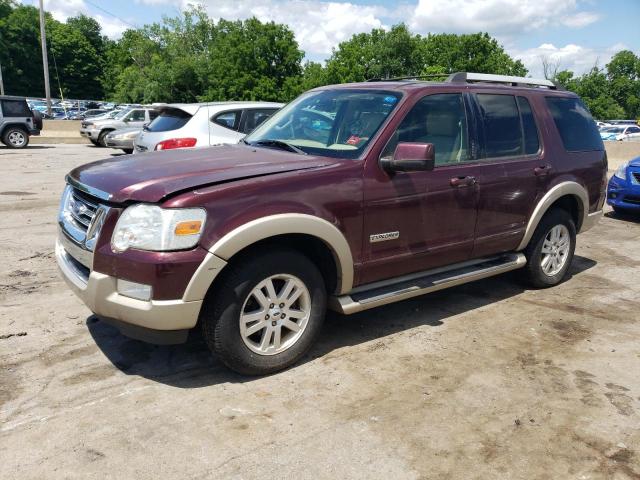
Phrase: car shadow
[626,217]
[28,147]
[191,365]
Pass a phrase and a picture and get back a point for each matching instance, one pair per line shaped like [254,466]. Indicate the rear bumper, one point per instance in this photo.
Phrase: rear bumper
[156,321]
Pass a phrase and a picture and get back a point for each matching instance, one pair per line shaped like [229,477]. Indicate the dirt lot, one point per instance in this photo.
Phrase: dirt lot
[487,380]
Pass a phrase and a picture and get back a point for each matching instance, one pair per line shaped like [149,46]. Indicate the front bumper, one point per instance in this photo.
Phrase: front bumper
[624,194]
[90,133]
[156,321]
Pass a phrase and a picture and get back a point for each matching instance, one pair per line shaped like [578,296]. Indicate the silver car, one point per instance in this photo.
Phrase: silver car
[122,139]
[188,125]
[97,129]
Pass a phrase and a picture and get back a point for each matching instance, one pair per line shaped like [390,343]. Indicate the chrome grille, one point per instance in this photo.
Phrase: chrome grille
[80,219]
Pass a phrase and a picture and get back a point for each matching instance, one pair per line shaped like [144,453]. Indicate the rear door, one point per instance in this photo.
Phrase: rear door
[512,170]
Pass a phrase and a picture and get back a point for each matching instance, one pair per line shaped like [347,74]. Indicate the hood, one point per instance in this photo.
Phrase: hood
[635,162]
[150,177]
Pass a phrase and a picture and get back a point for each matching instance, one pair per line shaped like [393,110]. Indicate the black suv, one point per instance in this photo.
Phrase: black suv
[18,122]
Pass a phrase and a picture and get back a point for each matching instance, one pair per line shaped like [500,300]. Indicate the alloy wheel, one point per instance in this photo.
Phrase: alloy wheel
[555,250]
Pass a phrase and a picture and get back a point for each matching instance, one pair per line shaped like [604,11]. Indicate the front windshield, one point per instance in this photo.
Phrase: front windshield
[335,123]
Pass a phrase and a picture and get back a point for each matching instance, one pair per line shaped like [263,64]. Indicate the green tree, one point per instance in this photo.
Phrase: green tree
[477,52]
[623,72]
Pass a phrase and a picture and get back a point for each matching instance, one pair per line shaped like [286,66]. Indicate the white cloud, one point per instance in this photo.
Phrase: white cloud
[63,9]
[318,26]
[498,17]
[572,57]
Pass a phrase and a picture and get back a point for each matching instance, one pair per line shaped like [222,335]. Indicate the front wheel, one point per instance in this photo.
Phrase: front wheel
[550,251]
[128,151]
[266,312]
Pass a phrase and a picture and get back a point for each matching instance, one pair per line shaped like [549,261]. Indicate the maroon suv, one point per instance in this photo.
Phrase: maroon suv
[352,196]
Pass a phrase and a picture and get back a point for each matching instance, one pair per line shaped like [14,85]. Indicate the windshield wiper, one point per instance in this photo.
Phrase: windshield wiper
[280,144]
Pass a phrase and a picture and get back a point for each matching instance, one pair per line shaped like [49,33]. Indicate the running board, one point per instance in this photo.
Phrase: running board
[395,290]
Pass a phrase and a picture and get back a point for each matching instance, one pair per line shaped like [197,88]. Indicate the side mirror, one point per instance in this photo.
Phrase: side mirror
[410,157]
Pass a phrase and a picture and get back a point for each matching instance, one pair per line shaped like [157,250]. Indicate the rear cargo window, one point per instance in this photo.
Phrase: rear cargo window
[575,124]
[168,120]
[15,108]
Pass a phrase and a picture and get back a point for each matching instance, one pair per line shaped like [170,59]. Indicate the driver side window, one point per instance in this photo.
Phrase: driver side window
[438,119]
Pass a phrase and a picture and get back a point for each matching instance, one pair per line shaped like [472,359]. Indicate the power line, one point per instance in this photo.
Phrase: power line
[111,14]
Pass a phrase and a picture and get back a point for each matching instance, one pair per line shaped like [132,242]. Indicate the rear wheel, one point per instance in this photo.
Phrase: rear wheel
[550,251]
[15,137]
[265,313]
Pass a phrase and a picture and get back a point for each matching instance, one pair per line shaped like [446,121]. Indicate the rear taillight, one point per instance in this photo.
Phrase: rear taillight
[176,143]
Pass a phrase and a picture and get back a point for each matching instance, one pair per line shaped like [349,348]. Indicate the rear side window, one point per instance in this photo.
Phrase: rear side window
[168,120]
[531,141]
[575,124]
[136,116]
[15,108]
[254,117]
[502,133]
[153,114]
[228,119]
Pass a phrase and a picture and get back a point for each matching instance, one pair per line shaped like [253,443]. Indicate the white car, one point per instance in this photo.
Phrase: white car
[190,125]
[621,132]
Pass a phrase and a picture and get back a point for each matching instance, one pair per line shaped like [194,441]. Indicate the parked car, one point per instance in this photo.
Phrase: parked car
[620,132]
[17,122]
[97,129]
[352,196]
[122,139]
[623,191]
[94,112]
[622,122]
[190,125]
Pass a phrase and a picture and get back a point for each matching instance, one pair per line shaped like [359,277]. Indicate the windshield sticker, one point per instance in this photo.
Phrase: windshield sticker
[353,140]
[390,99]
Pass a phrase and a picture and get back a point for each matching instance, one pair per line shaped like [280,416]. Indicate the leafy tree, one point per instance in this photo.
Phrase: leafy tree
[477,52]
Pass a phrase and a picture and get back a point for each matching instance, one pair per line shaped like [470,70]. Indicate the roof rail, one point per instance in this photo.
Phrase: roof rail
[408,77]
[463,77]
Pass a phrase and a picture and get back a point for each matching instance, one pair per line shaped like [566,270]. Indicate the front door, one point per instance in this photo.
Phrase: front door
[415,221]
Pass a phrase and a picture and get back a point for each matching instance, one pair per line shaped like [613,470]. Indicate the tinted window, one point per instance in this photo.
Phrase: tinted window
[15,108]
[575,124]
[437,119]
[228,119]
[531,141]
[153,114]
[169,119]
[255,117]
[633,130]
[502,133]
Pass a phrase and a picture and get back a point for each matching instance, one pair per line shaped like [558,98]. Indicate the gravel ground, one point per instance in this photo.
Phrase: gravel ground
[488,380]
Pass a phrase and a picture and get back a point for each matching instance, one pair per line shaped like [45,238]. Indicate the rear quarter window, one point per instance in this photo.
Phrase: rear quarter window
[574,123]
[15,108]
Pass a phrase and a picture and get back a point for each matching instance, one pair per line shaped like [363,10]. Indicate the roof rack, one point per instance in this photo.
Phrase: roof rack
[463,77]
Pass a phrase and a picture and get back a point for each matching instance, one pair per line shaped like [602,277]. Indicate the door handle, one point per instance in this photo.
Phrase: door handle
[542,170]
[467,181]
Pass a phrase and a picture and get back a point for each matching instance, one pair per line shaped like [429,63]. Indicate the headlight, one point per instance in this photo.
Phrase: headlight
[621,172]
[149,227]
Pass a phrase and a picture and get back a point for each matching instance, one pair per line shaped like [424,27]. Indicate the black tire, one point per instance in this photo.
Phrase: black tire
[102,138]
[15,137]
[128,151]
[534,274]
[95,142]
[220,316]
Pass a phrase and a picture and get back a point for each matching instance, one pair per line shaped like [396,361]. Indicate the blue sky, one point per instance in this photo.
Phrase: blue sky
[575,34]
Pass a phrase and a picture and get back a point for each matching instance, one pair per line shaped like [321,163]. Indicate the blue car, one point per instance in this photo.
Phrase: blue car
[623,192]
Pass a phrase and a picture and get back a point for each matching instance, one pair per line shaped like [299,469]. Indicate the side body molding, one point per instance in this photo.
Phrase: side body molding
[267,227]
[559,190]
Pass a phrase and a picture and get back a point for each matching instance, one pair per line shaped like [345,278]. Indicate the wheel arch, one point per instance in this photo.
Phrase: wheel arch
[568,195]
[306,233]
[19,125]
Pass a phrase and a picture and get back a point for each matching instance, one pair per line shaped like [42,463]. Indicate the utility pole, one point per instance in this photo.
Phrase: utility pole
[1,82]
[45,61]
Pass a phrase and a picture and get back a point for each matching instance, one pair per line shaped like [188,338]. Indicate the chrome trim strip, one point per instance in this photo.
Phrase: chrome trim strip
[346,305]
[77,278]
[85,257]
[87,189]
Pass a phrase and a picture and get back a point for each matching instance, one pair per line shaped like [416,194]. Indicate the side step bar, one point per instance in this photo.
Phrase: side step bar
[382,293]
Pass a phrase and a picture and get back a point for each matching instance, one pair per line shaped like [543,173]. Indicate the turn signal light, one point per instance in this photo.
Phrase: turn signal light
[188,228]
[176,143]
